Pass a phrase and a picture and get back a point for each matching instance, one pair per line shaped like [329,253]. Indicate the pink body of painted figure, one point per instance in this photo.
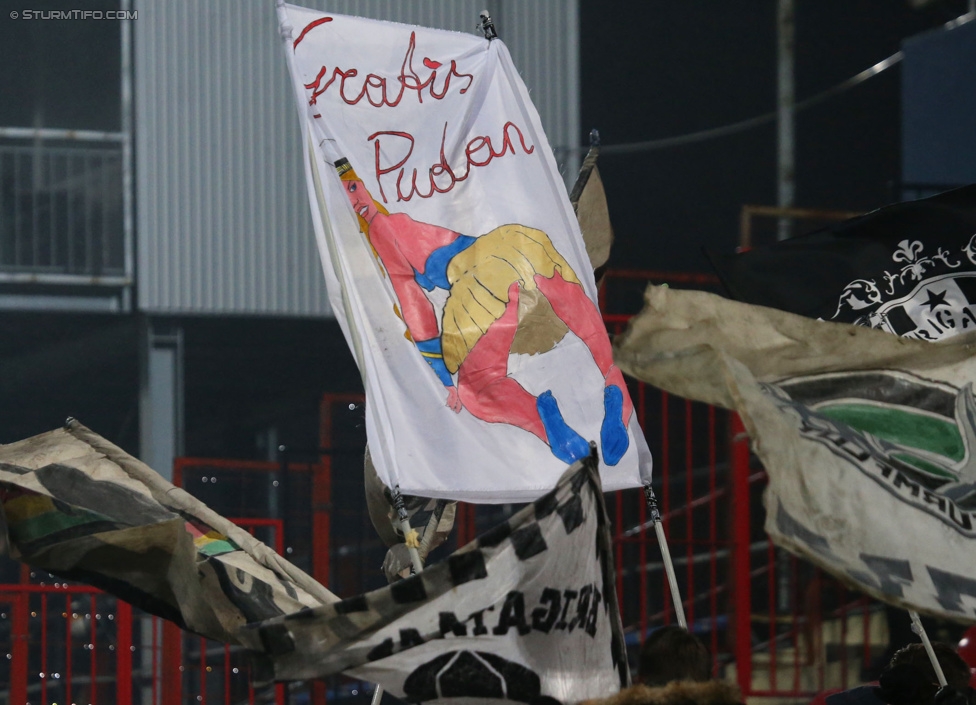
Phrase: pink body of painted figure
[486,278]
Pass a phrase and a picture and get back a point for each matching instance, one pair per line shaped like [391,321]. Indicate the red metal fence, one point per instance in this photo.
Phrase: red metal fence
[774,624]
[68,643]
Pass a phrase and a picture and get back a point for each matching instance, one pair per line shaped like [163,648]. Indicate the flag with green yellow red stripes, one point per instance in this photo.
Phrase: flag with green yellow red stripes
[81,508]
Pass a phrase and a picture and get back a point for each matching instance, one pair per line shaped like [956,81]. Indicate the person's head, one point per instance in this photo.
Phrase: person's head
[362,202]
[673,654]
[909,678]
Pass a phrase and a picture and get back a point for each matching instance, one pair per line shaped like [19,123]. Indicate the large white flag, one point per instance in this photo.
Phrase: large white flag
[454,263]
[869,439]
[527,613]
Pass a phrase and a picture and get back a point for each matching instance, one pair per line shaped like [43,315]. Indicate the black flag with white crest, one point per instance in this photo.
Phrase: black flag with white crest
[908,268]
[526,613]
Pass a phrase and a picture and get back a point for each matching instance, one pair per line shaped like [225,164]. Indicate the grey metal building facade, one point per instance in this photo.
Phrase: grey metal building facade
[223,224]
[154,228]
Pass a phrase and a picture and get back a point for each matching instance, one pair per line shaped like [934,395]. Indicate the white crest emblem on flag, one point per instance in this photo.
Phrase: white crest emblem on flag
[454,263]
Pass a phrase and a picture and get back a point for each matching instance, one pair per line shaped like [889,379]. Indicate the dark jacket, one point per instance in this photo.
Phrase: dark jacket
[675,693]
[862,695]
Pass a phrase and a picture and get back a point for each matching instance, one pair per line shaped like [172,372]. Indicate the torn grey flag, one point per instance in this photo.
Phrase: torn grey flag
[589,201]
[526,613]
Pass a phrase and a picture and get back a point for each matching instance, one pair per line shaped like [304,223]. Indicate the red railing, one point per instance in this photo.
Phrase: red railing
[776,625]
[66,644]
[75,644]
[773,623]
[761,613]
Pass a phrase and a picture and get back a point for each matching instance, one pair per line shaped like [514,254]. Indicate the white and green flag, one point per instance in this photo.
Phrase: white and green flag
[868,439]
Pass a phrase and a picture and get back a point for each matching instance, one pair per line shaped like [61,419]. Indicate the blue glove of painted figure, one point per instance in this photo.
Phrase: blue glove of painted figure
[434,355]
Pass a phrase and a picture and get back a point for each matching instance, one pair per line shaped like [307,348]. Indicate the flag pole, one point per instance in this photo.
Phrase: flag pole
[920,630]
[662,541]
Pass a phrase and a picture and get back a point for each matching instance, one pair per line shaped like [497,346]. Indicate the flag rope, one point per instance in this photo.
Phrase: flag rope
[741,125]
[409,533]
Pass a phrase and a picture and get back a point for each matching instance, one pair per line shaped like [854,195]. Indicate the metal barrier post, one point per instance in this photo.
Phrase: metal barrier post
[172,660]
[322,514]
[741,578]
[321,519]
[69,619]
[123,652]
[19,635]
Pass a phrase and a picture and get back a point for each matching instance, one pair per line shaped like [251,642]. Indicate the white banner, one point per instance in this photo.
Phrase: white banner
[454,263]
[869,440]
[527,613]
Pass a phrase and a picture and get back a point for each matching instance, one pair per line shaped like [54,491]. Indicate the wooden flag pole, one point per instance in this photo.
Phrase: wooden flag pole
[920,630]
[662,541]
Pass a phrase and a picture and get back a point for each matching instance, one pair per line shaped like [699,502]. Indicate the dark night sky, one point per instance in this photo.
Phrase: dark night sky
[658,69]
[46,81]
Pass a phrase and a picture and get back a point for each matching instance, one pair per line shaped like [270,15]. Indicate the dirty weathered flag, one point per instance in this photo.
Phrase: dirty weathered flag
[869,439]
[75,505]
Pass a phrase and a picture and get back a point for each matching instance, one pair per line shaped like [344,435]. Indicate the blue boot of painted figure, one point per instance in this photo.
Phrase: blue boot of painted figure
[614,440]
[566,444]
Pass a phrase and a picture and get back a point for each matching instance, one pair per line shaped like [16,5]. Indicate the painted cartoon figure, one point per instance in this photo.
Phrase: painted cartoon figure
[486,278]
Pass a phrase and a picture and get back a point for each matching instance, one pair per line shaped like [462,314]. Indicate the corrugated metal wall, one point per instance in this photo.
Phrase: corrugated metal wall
[222,214]
[543,38]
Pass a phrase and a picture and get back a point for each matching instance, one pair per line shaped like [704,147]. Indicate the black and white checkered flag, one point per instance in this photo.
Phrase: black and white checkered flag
[527,612]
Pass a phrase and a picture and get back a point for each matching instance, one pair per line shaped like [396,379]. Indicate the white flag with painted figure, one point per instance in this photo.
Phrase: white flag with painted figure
[869,440]
[526,613]
[454,263]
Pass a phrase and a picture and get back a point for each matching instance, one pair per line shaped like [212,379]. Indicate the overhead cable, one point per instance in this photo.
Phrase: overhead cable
[742,125]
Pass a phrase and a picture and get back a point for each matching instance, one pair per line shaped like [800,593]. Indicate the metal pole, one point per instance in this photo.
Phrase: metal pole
[377,695]
[786,167]
[741,555]
[920,630]
[431,528]
[665,553]
[283,494]
[128,197]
